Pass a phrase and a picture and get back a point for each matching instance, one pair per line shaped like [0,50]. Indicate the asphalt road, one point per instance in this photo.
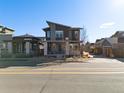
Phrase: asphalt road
[96,76]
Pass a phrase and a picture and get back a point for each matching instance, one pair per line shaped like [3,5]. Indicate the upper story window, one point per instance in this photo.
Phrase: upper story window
[123,35]
[59,35]
[48,34]
[0,28]
[76,35]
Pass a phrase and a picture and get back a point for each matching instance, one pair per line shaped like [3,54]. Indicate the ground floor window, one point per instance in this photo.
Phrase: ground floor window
[56,48]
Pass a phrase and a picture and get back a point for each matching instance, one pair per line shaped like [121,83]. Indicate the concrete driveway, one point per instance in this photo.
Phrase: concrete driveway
[99,75]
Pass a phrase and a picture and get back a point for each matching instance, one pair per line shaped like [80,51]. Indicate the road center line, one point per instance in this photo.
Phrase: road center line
[58,73]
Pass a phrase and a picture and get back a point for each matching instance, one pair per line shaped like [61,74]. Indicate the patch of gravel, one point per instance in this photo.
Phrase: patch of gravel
[77,59]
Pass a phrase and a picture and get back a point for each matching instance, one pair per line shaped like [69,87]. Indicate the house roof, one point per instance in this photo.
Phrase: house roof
[4,29]
[118,34]
[1,26]
[100,41]
[28,36]
[25,36]
[42,38]
[46,29]
[60,26]
[49,23]
[110,41]
[113,40]
[9,29]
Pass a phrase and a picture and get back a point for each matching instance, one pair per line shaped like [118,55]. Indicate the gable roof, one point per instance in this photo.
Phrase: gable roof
[118,34]
[26,36]
[9,29]
[1,26]
[3,29]
[110,41]
[100,41]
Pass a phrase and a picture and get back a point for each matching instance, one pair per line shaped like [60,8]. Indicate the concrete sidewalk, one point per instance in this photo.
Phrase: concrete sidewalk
[89,77]
[95,65]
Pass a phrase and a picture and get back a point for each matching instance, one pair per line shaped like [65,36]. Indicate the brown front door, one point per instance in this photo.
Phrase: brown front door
[108,52]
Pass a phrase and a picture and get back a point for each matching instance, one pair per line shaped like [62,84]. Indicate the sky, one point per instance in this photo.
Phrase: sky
[101,18]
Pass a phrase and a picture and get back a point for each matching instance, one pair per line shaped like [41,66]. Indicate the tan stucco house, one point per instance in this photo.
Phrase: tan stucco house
[6,39]
[112,46]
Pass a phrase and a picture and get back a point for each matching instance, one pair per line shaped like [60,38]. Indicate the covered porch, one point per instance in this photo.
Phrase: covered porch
[62,48]
[27,44]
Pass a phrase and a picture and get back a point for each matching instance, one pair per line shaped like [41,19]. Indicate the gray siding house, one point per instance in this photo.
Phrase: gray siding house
[28,44]
[61,40]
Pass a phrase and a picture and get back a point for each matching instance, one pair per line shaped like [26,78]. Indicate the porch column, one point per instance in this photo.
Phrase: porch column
[21,47]
[0,48]
[9,46]
[67,48]
[104,51]
[0,52]
[45,48]
[27,47]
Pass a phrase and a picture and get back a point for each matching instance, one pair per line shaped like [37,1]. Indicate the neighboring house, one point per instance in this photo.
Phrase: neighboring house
[61,40]
[89,47]
[6,39]
[111,47]
[98,46]
[118,34]
[105,46]
[119,51]
[108,46]
[92,47]
[28,44]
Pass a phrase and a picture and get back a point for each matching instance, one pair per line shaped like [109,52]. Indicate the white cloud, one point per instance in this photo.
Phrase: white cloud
[118,3]
[107,25]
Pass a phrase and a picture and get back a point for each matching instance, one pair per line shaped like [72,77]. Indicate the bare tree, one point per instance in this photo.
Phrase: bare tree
[84,36]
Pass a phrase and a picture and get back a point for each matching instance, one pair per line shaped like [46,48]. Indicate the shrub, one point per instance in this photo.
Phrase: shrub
[23,55]
[6,55]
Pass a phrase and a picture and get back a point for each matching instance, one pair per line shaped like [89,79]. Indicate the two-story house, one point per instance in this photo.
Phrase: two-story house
[61,40]
[112,46]
[6,39]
